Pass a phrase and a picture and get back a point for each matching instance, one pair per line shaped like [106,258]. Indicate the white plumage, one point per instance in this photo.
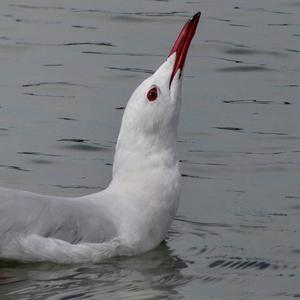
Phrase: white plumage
[133,214]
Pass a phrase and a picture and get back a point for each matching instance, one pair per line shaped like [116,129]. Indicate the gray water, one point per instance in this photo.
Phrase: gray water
[67,70]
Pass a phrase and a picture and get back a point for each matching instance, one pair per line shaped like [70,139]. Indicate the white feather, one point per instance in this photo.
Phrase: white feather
[131,216]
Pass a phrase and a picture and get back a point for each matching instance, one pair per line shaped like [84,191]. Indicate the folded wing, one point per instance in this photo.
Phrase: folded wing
[24,213]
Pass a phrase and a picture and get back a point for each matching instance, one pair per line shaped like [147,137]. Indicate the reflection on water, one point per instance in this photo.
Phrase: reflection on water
[67,72]
[155,274]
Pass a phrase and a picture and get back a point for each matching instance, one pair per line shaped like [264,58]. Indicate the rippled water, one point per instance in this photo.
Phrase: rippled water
[67,70]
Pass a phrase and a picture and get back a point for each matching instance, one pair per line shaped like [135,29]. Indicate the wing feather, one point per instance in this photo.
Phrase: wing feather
[24,213]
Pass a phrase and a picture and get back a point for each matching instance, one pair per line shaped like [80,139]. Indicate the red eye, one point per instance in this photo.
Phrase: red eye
[152,94]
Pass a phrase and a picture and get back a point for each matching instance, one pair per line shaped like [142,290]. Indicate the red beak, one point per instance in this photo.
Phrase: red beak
[182,43]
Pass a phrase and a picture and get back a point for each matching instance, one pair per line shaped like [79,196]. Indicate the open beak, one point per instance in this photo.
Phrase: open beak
[182,43]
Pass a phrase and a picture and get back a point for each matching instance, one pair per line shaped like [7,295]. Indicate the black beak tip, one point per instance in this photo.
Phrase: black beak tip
[196,16]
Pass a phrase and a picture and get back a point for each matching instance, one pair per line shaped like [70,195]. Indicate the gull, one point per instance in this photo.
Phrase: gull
[133,214]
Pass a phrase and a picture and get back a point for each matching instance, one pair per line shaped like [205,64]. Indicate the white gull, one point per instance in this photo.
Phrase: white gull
[133,214]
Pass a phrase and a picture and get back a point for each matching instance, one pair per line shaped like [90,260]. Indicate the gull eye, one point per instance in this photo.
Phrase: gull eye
[152,94]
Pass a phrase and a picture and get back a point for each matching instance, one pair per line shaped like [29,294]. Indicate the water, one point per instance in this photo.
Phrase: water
[68,68]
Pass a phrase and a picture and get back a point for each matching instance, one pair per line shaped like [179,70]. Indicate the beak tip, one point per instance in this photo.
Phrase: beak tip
[197,15]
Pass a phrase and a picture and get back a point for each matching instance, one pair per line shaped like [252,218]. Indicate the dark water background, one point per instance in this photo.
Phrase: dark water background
[68,68]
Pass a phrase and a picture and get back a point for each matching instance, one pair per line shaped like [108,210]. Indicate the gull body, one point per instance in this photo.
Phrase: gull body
[133,214]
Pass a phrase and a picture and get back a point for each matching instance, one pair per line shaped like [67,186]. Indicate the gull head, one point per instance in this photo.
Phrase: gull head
[150,119]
